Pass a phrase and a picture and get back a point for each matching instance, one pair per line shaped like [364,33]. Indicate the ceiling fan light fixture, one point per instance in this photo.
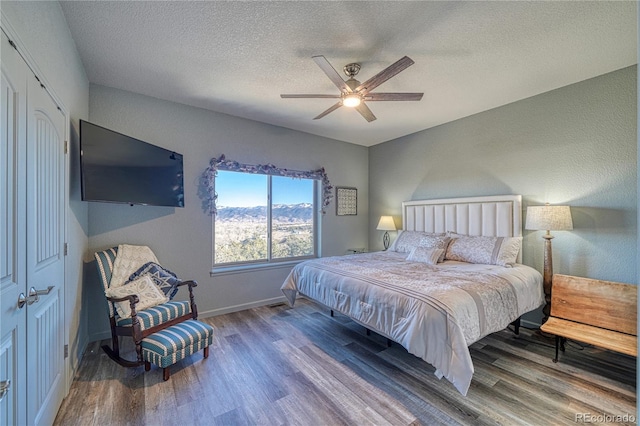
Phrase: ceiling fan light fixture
[351,100]
[353,94]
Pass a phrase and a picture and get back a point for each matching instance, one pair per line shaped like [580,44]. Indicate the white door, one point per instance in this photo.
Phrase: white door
[37,245]
[13,278]
[45,254]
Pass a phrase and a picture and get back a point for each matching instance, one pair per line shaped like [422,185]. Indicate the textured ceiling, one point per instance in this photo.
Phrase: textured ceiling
[238,57]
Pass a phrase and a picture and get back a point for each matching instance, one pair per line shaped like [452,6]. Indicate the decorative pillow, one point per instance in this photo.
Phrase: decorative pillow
[436,242]
[148,293]
[395,242]
[129,259]
[166,280]
[430,256]
[407,240]
[501,251]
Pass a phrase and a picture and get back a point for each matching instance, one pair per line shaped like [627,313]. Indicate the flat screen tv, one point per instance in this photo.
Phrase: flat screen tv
[120,169]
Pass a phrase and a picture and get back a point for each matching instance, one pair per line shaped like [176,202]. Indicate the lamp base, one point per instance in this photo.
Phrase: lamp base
[547,277]
[386,240]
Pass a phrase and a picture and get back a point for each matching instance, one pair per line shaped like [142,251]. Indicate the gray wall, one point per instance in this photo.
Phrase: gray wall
[181,237]
[576,145]
[42,34]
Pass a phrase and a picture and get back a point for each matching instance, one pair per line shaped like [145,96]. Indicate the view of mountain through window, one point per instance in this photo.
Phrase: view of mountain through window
[250,229]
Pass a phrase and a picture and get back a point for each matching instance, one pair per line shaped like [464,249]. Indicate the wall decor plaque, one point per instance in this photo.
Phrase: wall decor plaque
[346,201]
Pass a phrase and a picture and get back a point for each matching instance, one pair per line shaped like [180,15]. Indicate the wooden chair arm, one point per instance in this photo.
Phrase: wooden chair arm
[190,283]
[131,298]
[192,301]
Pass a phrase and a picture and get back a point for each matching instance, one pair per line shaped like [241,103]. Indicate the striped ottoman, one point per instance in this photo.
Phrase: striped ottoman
[168,346]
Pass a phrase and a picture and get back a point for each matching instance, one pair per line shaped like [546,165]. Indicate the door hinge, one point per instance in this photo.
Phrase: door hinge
[66,145]
[66,351]
[66,249]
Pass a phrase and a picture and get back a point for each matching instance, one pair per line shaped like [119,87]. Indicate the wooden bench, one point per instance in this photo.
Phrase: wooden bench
[601,313]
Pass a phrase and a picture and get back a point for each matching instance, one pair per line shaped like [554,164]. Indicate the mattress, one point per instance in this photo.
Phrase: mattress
[434,311]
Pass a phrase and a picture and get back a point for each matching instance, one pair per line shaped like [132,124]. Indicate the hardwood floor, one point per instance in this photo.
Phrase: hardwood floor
[278,366]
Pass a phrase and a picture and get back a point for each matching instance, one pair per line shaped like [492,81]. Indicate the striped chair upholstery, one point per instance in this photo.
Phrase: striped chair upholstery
[156,315]
[168,346]
[149,317]
[105,260]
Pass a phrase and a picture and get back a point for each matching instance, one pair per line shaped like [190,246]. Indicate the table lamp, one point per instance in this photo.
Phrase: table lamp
[386,224]
[548,218]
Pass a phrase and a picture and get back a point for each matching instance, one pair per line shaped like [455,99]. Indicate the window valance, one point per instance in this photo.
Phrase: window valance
[207,179]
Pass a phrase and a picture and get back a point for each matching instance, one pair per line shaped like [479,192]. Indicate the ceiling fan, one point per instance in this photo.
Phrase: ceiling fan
[353,93]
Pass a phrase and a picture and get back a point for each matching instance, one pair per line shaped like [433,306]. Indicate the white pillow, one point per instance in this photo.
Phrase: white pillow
[407,240]
[501,251]
[508,254]
[146,290]
[436,242]
[426,255]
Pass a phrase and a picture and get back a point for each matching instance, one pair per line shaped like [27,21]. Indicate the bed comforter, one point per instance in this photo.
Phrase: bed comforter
[434,311]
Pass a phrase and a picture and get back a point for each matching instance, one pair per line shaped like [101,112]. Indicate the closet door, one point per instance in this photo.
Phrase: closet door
[31,247]
[13,279]
[45,255]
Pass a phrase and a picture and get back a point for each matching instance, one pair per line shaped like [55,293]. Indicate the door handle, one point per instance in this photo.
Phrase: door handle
[34,292]
[22,300]
[4,388]
[34,296]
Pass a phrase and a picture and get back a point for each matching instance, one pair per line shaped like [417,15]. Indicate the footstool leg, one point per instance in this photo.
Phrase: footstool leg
[147,366]
[206,352]
[166,372]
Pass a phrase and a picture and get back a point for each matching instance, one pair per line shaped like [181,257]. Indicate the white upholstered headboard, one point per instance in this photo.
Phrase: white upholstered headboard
[494,216]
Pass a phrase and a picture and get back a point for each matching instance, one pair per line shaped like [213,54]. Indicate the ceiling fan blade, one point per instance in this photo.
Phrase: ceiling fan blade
[331,73]
[384,75]
[365,112]
[311,96]
[393,96]
[328,110]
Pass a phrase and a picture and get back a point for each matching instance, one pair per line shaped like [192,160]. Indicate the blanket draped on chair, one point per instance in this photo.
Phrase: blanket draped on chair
[128,260]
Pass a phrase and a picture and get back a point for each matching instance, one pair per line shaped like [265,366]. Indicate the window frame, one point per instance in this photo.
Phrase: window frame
[207,193]
[269,262]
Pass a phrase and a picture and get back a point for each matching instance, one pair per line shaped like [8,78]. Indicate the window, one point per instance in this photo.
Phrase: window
[263,218]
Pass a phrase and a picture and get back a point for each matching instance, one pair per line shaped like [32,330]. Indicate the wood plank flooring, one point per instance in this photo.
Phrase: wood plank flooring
[282,366]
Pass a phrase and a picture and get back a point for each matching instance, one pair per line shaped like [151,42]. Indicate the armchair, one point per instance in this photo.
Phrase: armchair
[128,317]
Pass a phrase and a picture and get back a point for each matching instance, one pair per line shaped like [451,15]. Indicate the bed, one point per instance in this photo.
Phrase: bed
[434,301]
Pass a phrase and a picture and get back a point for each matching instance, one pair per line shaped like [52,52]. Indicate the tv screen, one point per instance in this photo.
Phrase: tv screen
[120,169]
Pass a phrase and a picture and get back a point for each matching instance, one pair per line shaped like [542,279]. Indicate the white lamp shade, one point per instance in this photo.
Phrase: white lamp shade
[386,224]
[549,218]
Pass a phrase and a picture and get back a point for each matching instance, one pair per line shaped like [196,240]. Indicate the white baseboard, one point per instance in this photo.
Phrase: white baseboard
[242,307]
